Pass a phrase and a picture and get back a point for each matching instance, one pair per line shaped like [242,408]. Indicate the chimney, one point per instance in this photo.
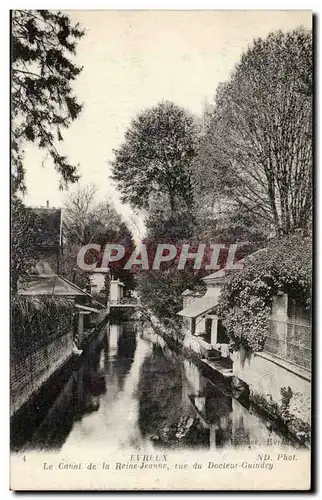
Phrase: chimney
[47,204]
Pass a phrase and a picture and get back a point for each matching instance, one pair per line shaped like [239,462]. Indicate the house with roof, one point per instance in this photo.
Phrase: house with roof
[87,310]
[200,322]
[46,278]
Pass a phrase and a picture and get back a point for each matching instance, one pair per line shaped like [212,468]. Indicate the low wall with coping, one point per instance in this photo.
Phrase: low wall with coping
[266,374]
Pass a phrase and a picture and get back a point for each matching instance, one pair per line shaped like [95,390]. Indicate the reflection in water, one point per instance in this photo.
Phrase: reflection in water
[115,424]
[132,391]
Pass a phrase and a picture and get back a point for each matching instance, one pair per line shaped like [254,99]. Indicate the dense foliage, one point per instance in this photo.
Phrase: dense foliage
[155,157]
[27,232]
[284,266]
[36,321]
[43,103]
[161,290]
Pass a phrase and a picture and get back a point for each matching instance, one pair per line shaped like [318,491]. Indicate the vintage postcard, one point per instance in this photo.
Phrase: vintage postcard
[161,250]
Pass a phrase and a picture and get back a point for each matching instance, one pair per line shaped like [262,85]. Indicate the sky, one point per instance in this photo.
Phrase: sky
[132,60]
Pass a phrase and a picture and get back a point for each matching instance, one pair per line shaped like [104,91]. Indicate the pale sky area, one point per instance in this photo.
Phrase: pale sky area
[134,59]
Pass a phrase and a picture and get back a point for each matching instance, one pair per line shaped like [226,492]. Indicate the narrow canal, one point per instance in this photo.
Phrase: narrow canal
[133,392]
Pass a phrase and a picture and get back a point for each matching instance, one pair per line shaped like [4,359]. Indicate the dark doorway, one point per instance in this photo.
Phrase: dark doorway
[222,337]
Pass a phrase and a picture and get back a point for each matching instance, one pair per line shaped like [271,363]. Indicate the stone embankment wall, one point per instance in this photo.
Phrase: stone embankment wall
[267,376]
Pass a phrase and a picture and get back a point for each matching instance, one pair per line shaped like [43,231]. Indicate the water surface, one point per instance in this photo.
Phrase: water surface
[134,392]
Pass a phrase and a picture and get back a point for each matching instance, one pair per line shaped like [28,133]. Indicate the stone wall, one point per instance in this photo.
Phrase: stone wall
[30,372]
[266,374]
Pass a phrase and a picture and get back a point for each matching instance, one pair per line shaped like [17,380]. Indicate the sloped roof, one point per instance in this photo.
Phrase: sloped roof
[83,292]
[200,306]
[194,293]
[215,276]
[87,308]
[50,285]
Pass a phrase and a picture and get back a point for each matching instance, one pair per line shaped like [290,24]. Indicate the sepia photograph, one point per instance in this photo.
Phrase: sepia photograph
[161,220]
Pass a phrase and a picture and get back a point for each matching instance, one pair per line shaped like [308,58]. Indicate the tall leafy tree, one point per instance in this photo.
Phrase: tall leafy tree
[257,149]
[43,101]
[155,157]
